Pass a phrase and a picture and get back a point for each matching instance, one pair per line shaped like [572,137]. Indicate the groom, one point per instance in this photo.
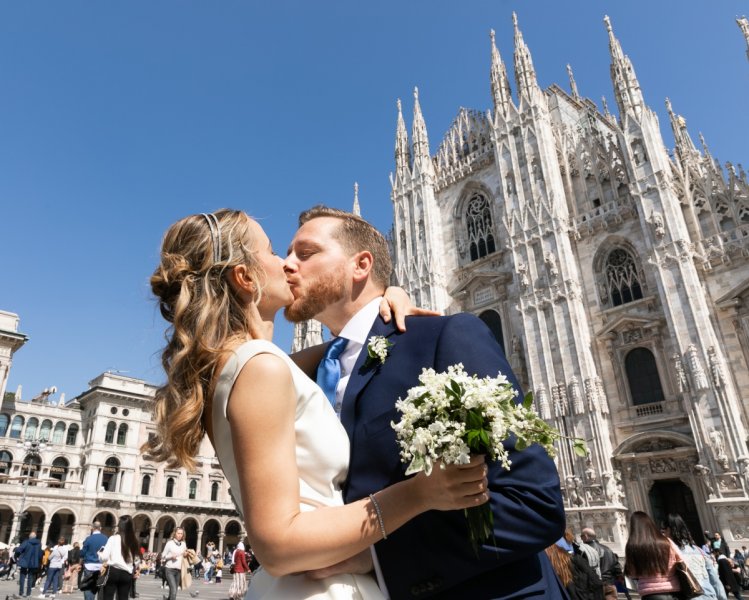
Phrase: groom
[338,268]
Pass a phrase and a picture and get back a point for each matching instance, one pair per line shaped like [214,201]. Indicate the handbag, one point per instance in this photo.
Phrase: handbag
[88,581]
[103,577]
[690,587]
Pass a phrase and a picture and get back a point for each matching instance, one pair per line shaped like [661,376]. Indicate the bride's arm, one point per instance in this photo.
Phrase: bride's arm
[395,304]
[261,413]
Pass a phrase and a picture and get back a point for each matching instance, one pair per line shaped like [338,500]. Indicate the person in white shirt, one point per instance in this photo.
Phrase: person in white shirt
[56,562]
[171,558]
[120,554]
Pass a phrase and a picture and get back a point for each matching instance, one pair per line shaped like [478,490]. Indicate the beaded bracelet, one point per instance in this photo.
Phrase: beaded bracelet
[379,516]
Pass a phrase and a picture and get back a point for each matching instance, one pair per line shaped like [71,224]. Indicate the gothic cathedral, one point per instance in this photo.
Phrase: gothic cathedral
[614,274]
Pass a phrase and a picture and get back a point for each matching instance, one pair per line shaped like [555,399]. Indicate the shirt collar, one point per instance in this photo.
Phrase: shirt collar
[359,325]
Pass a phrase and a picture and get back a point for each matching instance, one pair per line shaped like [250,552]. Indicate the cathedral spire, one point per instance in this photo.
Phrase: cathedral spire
[356,209]
[743,24]
[605,105]
[626,87]
[684,145]
[525,74]
[500,84]
[402,152]
[419,137]
[573,83]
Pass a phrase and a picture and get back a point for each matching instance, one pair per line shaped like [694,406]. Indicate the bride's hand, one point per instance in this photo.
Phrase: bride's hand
[455,486]
[359,563]
[396,303]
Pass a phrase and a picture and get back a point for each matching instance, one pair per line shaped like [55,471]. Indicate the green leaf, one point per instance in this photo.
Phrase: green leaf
[520,444]
[528,400]
[580,448]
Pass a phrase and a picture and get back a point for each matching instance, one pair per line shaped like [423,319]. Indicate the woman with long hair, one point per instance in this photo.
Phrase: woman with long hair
[171,561]
[700,565]
[120,553]
[280,444]
[650,560]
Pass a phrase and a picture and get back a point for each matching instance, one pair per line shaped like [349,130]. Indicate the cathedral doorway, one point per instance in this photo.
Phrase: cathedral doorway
[494,322]
[674,496]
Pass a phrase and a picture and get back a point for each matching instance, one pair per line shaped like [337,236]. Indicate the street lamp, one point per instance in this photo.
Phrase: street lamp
[33,449]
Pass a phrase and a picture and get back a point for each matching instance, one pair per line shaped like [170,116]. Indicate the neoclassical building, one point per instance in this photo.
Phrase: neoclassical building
[91,467]
[615,274]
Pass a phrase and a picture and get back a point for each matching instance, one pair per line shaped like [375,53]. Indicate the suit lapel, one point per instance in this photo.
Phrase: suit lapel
[360,376]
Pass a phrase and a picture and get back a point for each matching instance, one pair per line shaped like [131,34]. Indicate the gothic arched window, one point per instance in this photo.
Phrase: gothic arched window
[192,492]
[45,430]
[6,460]
[621,277]
[214,491]
[109,435]
[642,375]
[479,227]
[4,422]
[145,485]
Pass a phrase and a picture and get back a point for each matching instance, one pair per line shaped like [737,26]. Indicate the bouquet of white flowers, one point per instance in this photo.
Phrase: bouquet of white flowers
[453,414]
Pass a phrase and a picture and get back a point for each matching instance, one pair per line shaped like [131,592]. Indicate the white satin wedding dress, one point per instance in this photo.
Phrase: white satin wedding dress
[322,454]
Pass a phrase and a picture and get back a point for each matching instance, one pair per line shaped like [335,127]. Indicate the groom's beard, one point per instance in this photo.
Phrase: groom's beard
[323,292]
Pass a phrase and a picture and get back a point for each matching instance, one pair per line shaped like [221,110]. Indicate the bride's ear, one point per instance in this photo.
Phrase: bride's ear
[241,280]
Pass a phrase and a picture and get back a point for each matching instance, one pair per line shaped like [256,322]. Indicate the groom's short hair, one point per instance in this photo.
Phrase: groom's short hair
[356,235]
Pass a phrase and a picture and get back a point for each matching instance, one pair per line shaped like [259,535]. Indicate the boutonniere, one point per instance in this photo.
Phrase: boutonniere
[378,348]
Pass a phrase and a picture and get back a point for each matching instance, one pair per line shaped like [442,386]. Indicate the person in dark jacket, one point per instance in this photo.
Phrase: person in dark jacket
[609,562]
[726,574]
[29,556]
[89,555]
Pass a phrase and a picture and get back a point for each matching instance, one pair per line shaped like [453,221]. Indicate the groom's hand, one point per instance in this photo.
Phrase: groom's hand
[360,563]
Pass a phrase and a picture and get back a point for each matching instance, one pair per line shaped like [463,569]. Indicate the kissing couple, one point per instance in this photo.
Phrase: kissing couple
[316,471]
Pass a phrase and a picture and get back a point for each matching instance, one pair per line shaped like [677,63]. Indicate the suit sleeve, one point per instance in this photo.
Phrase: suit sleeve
[526,500]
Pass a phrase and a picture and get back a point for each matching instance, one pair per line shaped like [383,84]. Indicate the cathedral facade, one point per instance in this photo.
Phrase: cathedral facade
[614,273]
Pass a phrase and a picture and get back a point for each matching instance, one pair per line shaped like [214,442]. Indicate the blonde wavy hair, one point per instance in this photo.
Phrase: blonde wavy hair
[205,313]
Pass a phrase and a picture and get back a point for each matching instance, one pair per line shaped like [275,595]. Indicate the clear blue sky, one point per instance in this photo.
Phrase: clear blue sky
[117,118]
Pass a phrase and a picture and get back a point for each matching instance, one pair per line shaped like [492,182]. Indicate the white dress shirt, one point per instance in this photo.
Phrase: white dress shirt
[356,331]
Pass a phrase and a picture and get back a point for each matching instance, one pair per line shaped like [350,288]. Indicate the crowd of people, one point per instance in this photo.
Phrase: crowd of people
[107,566]
[654,554]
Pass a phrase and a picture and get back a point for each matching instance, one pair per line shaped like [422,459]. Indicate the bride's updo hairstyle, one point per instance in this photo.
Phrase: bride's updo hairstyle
[194,295]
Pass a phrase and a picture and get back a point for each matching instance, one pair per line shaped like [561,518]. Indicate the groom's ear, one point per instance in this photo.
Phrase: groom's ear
[363,263]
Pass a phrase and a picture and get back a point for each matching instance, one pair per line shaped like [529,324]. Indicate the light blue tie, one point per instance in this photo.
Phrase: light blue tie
[329,370]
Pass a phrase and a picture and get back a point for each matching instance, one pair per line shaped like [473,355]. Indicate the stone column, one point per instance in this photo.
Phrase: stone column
[152,533]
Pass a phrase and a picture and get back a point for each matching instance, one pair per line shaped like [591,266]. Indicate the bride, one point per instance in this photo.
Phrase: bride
[279,442]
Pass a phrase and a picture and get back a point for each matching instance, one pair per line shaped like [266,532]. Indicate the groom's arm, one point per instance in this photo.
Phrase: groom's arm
[526,500]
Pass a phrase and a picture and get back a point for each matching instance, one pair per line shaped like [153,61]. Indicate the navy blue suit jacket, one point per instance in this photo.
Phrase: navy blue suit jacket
[431,556]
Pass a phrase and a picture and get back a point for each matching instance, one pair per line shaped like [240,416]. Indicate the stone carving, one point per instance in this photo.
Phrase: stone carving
[663,465]
[704,473]
[744,471]
[614,490]
[551,265]
[655,446]
[717,444]
[716,368]
[632,336]
[510,185]
[591,394]
[728,482]
[603,402]
[543,403]
[681,376]
[638,152]
[559,395]
[537,174]
[657,221]
[699,379]
[523,276]
[591,474]
[576,397]
[575,491]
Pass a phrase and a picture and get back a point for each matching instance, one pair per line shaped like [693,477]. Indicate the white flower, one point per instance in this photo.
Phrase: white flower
[378,348]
